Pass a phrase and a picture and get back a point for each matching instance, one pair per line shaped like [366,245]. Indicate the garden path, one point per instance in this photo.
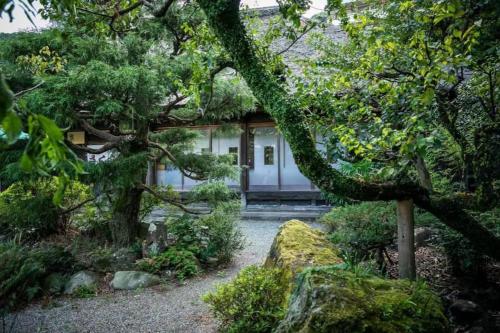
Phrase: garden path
[169,308]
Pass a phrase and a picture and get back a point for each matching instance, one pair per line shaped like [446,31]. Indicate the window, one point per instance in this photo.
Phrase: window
[234,151]
[268,155]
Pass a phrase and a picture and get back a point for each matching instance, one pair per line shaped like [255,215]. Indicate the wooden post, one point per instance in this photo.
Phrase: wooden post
[406,243]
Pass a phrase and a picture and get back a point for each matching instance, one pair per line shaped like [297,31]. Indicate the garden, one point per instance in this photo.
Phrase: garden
[389,108]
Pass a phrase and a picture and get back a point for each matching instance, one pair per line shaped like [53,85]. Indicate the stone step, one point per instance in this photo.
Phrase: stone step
[280,216]
[264,213]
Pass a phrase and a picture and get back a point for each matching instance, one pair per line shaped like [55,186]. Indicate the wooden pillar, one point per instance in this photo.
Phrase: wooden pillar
[243,162]
[406,242]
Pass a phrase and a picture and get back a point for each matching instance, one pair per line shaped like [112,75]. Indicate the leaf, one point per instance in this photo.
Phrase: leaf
[26,163]
[50,128]
[12,126]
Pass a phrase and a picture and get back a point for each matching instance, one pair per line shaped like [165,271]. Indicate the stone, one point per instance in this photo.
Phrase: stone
[80,279]
[422,236]
[464,311]
[330,300]
[129,280]
[297,246]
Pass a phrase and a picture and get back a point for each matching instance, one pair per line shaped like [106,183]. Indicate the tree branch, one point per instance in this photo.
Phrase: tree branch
[81,204]
[22,92]
[102,134]
[172,158]
[103,149]
[170,201]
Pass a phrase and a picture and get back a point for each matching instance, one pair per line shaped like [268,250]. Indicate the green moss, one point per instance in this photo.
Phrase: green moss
[329,299]
[297,245]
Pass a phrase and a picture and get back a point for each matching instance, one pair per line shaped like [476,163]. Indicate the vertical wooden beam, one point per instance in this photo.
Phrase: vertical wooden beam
[278,152]
[406,242]
[244,158]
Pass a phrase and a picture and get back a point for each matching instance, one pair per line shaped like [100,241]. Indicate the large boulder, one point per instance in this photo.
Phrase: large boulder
[329,299]
[133,279]
[297,246]
[81,279]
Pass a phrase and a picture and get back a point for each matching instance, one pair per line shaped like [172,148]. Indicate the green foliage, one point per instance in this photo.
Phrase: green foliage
[27,211]
[84,291]
[215,235]
[361,228]
[183,262]
[253,302]
[22,271]
[26,215]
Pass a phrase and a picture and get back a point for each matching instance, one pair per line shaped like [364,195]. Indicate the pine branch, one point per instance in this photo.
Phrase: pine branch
[103,149]
[174,160]
[170,201]
[103,134]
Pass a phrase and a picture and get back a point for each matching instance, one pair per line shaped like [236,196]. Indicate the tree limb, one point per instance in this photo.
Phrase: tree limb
[172,158]
[103,149]
[81,204]
[170,201]
[22,92]
[102,134]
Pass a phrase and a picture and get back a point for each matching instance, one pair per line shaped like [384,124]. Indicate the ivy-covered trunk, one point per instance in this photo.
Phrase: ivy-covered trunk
[224,20]
[125,225]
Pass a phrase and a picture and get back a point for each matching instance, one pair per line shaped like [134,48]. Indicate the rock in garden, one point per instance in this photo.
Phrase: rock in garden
[331,300]
[133,279]
[297,245]
[80,279]
[464,311]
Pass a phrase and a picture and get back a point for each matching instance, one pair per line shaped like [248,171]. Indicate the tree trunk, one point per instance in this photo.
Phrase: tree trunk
[406,242]
[125,225]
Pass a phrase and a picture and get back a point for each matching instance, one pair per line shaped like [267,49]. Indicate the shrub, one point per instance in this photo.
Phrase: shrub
[27,215]
[221,232]
[27,212]
[215,235]
[253,302]
[85,291]
[22,272]
[182,261]
[361,228]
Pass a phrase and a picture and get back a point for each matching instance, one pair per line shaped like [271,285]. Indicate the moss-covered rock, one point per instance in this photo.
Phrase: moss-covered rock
[297,246]
[329,299]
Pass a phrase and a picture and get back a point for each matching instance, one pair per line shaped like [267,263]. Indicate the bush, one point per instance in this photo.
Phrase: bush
[27,212]
[215,235]
[182,261]
[361,228]
[253,302]
[22,272]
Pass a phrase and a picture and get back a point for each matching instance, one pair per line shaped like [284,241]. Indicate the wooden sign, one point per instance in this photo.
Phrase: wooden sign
[77,138]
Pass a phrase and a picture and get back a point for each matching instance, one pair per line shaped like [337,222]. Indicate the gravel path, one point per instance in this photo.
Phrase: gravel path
[165,309]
